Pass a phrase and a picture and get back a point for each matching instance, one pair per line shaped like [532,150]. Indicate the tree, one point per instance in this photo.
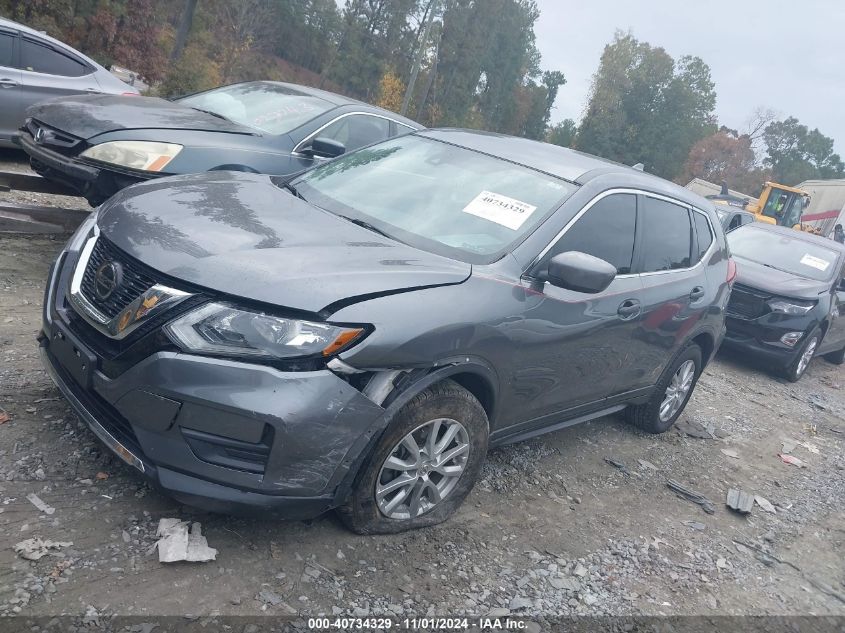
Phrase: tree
[646,107]
[724,156]
[390,92]
[563,133]
[796,153]
[185,21]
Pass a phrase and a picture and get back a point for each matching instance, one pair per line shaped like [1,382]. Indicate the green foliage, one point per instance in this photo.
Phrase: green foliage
[563,134]
[646,107]
[796,153]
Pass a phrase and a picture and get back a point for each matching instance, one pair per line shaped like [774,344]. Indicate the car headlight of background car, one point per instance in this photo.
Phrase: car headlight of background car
[791,307]
[219,329]
[141,155]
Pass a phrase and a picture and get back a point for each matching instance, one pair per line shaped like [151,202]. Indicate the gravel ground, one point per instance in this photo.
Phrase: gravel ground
[552,528]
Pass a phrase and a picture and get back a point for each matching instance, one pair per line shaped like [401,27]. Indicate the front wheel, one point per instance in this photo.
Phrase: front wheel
[671,393]
[423,467]
[799,365]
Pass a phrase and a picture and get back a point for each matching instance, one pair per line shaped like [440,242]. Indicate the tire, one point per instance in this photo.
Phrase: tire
[458,412]
[648,416]
[837,358]
[797,368]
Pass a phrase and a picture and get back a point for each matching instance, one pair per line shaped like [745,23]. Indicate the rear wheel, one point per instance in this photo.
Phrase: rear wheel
[423,467]
[671,393]
[799,365]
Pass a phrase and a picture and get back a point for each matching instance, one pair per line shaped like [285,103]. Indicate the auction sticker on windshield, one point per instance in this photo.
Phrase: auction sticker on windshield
[500,209]
[815,262]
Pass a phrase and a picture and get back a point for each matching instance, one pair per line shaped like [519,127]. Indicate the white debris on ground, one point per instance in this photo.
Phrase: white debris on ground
[177,543]
[35,500]
[36,548]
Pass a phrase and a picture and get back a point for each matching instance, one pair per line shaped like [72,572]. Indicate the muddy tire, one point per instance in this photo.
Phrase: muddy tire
[671,393]
[423,466]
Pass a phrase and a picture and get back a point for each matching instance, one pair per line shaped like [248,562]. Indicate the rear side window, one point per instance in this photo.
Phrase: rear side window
[40,58]
[667,236]
[605,231]
[703,233]
[7,42]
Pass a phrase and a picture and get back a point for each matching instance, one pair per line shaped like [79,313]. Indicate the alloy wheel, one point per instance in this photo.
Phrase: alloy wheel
[422,469]
[806,357]
[677,390]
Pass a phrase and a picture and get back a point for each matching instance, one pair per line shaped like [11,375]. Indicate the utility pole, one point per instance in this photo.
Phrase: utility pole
[415,70]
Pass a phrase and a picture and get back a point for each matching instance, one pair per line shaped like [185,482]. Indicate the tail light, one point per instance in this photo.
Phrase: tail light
[731,270]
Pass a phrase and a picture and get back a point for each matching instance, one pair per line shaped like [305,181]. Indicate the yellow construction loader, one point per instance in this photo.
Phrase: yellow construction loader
[777,204]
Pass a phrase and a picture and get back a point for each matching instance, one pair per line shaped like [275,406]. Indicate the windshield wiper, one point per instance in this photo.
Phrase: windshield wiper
[368,226]
[294,191]
[217,114]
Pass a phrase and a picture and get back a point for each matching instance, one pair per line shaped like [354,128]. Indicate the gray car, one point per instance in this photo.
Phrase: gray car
[358,336]
[35,67]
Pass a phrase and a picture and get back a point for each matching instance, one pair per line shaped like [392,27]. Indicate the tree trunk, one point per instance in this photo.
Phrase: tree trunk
[184,29]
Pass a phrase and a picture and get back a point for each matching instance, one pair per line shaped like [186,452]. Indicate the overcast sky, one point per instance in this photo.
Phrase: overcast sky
[787,56]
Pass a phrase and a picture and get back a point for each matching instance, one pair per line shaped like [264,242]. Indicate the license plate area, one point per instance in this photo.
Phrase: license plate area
[73,356]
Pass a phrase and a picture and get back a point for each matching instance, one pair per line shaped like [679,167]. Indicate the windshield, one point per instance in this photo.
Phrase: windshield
[268,107]
[784,252]
[784,207]
[436,196]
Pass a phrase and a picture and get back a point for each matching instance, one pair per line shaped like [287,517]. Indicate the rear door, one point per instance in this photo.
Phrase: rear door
[50,71]
[675,290]
[11,105]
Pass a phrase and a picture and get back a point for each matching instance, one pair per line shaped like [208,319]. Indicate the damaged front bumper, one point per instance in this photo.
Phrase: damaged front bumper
[223,435]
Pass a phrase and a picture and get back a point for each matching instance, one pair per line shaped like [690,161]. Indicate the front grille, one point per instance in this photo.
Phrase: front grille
[747,303]
[54,139]
[133,284]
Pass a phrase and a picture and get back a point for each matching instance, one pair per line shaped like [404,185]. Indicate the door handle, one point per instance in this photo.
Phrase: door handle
[629,308]
[696,293]
[8,83]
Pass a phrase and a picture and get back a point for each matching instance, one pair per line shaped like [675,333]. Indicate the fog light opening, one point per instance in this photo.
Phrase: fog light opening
[791,338]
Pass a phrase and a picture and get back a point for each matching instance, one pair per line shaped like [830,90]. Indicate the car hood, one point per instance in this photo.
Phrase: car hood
[777,282]
[85,116]
[242,235]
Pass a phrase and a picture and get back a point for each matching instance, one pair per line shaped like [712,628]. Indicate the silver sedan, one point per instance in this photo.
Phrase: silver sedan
[35,67]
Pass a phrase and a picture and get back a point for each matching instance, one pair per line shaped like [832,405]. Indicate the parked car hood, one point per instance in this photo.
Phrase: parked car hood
[777,282]
[242,235]
[85,116]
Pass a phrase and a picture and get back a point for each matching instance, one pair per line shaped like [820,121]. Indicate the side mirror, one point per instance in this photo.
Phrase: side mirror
[580,272]
[806,202]
[322,147]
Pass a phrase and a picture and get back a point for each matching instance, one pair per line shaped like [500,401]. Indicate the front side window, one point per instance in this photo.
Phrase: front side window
[667,236]
[357,130]
[40,58]
[7,43]
[265,106]
[436,196]
[606,230]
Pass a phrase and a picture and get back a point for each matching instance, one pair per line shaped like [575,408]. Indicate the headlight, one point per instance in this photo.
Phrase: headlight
[143,155]
[790,307]
[219,329]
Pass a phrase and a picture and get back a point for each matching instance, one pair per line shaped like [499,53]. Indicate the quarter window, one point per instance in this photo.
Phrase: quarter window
[605,231]
[357,130]
[7,42]
[705,236]
[40,58]
[667,236]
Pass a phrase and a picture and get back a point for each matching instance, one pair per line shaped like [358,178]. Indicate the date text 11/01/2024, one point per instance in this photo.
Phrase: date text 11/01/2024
[418,624]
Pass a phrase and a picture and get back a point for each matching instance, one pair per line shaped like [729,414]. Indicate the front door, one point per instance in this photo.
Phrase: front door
[577,350]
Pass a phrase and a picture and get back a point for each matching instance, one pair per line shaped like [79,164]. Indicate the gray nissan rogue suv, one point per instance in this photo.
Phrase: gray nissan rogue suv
[358,336]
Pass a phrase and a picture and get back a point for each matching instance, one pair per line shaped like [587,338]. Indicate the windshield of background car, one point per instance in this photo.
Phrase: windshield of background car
[271,108]
[436,196]
[783,252]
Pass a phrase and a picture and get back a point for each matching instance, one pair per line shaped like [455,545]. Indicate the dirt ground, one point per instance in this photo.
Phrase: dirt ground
[551,527]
